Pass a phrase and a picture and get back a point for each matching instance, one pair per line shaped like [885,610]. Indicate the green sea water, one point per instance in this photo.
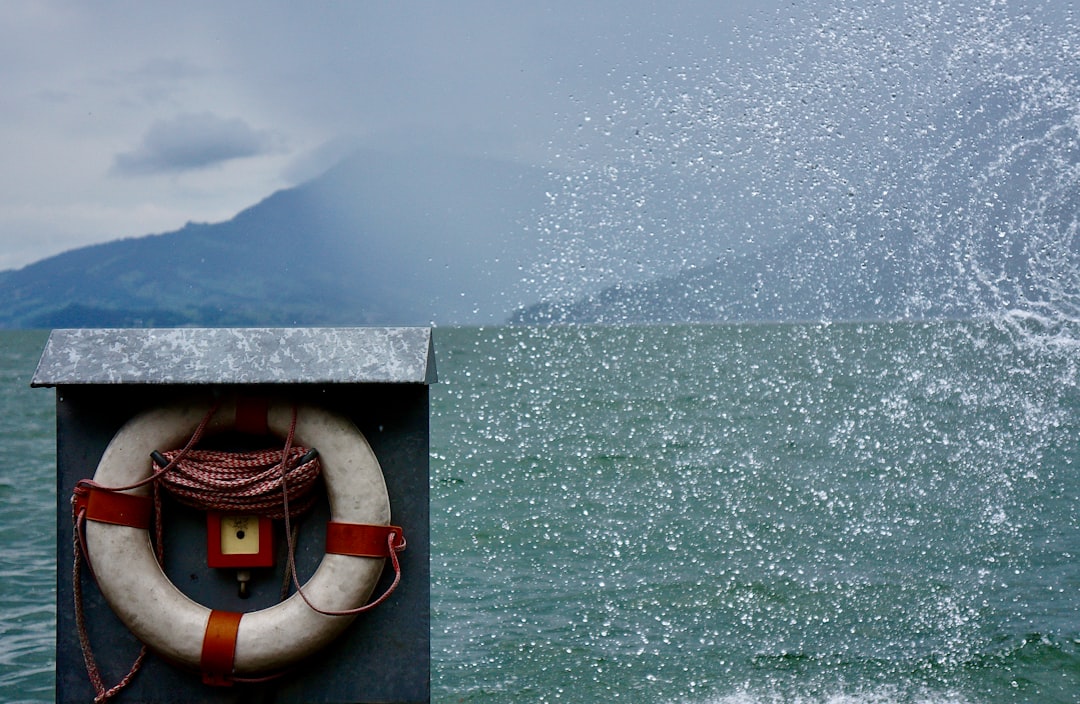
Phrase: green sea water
[726,514]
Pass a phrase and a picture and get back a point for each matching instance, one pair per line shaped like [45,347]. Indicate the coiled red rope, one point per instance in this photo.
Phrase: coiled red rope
[242,482]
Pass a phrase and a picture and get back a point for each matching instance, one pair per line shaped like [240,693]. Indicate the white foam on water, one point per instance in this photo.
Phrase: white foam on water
[880,695]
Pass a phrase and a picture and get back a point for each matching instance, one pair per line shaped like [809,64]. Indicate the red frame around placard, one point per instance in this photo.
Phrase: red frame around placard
[216,558]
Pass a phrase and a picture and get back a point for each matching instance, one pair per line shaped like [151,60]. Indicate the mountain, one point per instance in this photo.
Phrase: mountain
[398,239]
[410,239]
[799,277]
[873,274]
[948,233]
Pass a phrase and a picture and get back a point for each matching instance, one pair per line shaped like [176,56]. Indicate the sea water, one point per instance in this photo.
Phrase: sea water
[27,524]
[718,514]
[760,513]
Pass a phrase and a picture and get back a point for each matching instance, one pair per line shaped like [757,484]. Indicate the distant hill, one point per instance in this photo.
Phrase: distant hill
[807,276]
[799,277]
[380,239]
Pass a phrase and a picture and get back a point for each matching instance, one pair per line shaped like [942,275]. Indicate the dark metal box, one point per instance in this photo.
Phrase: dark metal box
[377,377]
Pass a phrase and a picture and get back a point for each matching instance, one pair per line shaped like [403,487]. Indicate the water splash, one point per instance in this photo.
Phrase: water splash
[896,161]
[883,695]
[817,513]
[893,161]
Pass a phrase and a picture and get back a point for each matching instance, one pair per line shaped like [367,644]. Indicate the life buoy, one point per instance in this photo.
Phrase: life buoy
[257,642]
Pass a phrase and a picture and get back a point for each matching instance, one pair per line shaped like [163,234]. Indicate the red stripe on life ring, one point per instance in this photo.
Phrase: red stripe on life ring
[219,647]
[118,508]
[362,540]
[251,416]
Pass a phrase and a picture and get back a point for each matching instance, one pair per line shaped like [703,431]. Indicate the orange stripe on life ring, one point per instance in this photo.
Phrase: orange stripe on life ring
[362,540]
[219,647]
[251,416]
[118,508]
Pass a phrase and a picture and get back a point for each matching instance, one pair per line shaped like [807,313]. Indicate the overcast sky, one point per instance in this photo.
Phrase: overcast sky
[120,119]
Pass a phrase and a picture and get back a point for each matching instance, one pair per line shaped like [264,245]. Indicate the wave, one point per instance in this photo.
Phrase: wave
[1033,668]
[874,695]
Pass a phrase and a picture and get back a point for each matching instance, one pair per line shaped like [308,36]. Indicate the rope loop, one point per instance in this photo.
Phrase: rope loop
[395,544]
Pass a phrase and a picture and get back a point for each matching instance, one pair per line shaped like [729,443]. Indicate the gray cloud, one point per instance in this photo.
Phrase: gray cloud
[193,141]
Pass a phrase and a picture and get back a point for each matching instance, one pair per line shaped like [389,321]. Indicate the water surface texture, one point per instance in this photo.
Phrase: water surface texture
[705,514]
[810,513]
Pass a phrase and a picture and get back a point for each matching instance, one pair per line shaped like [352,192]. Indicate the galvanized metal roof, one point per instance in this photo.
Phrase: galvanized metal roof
[237,356]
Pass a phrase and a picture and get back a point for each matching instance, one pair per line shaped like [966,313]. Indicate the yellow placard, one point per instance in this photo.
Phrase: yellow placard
[239,535]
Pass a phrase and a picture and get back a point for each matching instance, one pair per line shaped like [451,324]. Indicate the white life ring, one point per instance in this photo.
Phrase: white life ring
[271,639]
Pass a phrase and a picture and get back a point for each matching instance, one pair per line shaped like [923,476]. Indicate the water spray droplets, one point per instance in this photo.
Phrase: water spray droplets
[926,149]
